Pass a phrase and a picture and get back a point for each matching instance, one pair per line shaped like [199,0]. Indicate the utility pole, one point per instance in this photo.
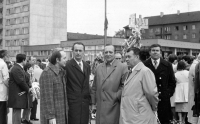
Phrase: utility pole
[105,27]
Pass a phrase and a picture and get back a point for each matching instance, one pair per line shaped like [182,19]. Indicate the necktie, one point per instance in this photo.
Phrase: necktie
[129,73]
[80,66]
[155,64]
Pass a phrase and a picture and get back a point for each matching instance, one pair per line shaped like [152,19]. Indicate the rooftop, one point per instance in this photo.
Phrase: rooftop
[83,36]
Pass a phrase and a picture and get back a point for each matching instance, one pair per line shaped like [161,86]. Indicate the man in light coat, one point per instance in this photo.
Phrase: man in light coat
[140,96]
[107,88]
[191,119]
[53,102]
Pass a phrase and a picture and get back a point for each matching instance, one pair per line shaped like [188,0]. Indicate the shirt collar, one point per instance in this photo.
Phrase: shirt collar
[158,61]
[135,67]
[20,65]
[111,63]
[78,62]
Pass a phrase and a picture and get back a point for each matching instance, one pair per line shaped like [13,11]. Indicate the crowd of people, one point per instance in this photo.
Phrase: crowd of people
[121,89]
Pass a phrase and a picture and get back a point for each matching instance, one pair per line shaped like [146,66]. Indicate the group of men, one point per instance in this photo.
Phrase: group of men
[122,93]
[15,89]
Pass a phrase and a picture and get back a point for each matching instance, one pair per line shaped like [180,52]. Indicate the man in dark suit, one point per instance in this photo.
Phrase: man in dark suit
[18,89]
[77,76]
[165,81]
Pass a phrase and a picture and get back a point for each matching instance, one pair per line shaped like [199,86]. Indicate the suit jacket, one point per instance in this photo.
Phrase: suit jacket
[166,83]
[18,84]
[106,92]
[78,92]
[53,101]
[137,105]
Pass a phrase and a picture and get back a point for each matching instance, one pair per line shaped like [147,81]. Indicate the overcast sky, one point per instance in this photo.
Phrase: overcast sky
[87,16]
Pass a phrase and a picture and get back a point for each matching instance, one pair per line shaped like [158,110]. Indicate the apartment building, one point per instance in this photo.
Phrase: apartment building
[1,24]
[34,22]
[181,28]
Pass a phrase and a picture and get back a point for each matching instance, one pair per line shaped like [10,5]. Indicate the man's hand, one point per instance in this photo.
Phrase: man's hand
[52,121]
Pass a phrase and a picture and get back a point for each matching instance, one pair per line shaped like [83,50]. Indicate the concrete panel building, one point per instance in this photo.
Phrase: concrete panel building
[34,22]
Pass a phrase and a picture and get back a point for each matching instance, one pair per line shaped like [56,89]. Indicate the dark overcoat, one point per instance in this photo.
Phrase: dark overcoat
[78,92]
[166,84]
[18,84]
[53,101]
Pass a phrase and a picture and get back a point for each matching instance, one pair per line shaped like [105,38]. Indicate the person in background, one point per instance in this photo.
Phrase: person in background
[40,64]
[107,88]
[191,94]
[165,81]
[4,77]
[181,91]
[18,89]
[118,57]
[26,112]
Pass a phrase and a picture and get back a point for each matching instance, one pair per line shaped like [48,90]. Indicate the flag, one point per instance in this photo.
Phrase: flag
[106,23]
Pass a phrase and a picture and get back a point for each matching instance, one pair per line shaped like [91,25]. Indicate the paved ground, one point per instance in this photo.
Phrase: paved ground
[38,116]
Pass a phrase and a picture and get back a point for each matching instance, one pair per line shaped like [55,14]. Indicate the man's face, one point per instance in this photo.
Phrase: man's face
[24,62]
[33,61]
[78,52]
[131,59]
[118,57]
[155,53]
[109,53]
[63,59]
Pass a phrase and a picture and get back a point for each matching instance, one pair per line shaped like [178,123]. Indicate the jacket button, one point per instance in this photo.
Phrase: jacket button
[159,99]
[160,85]
[159,92]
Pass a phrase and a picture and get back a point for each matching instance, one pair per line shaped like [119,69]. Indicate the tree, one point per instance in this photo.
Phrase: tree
[120,33]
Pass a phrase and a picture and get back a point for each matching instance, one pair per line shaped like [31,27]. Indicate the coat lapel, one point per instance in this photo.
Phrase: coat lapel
[160,67]
[135,71]
[77,66]
[103,70]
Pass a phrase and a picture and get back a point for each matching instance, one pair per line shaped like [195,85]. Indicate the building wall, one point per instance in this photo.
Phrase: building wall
[48,21]
[1,23]
[170,32]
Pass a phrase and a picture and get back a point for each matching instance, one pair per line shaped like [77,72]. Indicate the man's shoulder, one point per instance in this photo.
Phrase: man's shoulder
[164,62]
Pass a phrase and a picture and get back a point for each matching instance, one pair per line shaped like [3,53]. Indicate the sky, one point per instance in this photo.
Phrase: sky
[87,16]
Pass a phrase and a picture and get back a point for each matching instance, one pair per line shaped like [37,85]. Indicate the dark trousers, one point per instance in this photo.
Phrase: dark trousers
[3,112]
[34,109]
[16,116]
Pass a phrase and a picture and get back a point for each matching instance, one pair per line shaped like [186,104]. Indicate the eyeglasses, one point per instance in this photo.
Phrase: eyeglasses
[118,58]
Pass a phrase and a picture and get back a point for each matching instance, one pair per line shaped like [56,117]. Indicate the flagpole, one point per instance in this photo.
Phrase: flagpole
[105,28]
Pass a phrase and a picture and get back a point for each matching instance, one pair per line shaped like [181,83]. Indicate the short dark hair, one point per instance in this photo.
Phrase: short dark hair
[187,58]
[135,50]
[155,45]
[79,43]
[27,66]
[172,58]
[3,53]
[181,65]
[54,56]
[39,60]
[20,58]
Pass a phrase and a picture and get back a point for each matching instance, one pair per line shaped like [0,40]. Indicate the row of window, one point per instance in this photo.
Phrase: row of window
[39,53]
[167,29]
[17,31]
[17,42]
[18,9]
[14,1]
[176,37]
[18,20]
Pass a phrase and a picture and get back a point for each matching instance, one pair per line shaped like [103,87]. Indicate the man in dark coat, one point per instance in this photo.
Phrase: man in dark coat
[165,81]
[77,76]
[18,89]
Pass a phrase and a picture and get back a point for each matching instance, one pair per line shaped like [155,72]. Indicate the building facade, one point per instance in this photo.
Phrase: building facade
[33,22]
[181,28]
[1,23]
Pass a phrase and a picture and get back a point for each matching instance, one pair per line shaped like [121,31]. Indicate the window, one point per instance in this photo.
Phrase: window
[185,27]
[7,43]
[7,1]
[25,30]
[25,19]
[24,42]
[25,8]
[17,20]
[167,29]
[193,35]
[193,27]
[7,21]
[8,12]
[184,36]
[17,9]
[176,28]
[176,37]
[143,31]
[168,37]
[150,30]
[17,31]
[157,30]
[8,32]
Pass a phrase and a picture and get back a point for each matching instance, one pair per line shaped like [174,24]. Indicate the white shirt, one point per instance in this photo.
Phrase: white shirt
[158,62]
[20,65]
[4,76]
[80,63]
